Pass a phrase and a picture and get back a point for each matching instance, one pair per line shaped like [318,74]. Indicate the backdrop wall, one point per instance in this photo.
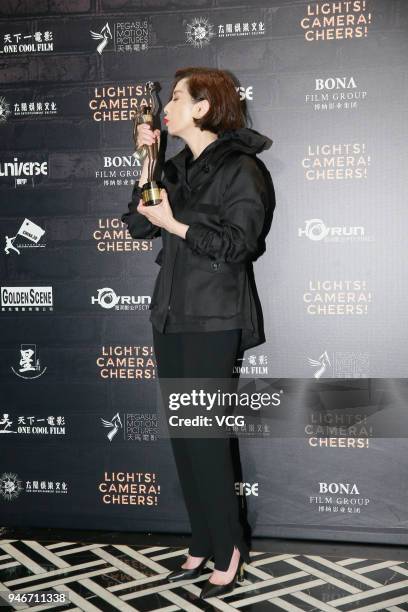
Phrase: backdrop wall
[327,81]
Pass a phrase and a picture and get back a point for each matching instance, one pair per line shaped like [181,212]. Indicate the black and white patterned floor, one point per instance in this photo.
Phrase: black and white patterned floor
[119,576]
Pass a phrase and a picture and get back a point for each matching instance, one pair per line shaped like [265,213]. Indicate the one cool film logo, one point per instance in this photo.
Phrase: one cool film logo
[19,43]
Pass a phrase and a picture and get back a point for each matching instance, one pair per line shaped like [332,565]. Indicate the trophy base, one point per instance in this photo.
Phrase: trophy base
[151,193]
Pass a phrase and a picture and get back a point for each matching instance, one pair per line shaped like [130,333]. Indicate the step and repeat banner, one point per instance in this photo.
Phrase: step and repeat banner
[328,82]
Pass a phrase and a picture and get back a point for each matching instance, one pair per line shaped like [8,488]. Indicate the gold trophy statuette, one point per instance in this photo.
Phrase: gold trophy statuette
[151,189]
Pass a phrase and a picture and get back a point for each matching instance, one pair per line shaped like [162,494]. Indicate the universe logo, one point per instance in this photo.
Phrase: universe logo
[245,93]
[18,172]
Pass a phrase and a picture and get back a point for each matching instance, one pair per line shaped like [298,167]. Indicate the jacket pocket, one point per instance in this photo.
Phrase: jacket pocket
[212,288]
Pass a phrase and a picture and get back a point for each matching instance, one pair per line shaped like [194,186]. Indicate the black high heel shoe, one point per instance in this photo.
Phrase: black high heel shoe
[185,574]
[215,590]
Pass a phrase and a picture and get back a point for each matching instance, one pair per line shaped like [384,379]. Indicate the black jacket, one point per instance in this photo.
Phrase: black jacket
[206,280]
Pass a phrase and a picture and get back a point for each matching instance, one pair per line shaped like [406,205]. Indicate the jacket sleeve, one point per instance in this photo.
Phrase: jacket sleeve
[138,225]
[242,217]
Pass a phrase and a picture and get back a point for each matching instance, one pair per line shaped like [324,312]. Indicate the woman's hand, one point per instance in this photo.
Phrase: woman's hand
[147,136]
[159,214]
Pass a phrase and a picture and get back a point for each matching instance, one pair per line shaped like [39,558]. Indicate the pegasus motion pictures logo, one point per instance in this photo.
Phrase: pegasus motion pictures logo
[104,36]
[115,424]
[322,363]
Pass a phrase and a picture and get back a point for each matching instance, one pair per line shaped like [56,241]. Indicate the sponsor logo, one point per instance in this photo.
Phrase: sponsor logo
[10,486]
[108,299]
[51,425]
[125,37]
[29,364]
[32,234]
[342,364]
[200,32]
[39,42]
[26,298]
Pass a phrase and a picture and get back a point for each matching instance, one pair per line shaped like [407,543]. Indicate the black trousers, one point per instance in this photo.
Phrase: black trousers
[205,465]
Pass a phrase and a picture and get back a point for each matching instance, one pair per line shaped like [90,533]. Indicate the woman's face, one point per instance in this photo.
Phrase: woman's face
[180,110]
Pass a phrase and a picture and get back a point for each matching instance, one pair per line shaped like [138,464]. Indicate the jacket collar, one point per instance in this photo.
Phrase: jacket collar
[246,140]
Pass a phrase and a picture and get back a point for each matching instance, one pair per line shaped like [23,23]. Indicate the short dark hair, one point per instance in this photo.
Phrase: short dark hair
[217,86]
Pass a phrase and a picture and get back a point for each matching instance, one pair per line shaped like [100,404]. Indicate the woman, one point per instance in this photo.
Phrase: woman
[215,212]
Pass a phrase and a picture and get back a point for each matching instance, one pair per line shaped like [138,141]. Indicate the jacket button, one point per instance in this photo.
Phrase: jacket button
[215,265]
[168,307]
